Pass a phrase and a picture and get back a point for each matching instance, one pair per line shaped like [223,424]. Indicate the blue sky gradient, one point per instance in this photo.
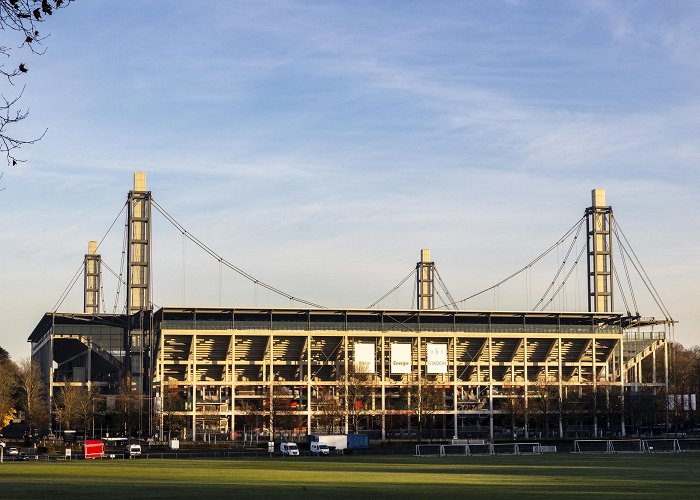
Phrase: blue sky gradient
[320,145]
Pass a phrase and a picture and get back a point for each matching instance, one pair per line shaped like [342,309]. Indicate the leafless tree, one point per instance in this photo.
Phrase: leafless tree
[425,400]
[127,407]
[544,403]
[283,412]
[68,403]
[330,416]
[33,400]
[357,397]
[513,405]
[22,18]
[171,405]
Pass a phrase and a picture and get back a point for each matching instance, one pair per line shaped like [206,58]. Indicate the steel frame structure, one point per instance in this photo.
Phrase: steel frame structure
[228,365]
[92,273]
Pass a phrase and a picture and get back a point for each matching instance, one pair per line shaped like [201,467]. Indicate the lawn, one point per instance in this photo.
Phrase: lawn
[544,476]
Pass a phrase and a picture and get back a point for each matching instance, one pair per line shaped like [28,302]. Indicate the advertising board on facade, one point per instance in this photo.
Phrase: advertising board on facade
[364,358]
[400,358]
[437,358]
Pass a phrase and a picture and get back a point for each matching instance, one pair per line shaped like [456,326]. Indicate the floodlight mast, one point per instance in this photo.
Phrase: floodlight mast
[425,284]
[600,257]
[138,281]
[93,279]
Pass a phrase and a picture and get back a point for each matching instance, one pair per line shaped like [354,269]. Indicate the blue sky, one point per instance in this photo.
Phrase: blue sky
[320,145]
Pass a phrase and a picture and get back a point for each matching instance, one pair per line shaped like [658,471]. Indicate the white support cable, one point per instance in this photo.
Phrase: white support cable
[622,291]
[561,266]
[444,289]
[624,265]
[556,292]
[122,265]
[225,262]
[73,280]
[535,261]
[642,274]
[392,290]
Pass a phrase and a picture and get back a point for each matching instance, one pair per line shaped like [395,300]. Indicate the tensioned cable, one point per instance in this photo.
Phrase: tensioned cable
[561,267]
[537,259]
[578,257]
[624,265]
[392,290]
[122,263]
[643,274]
[114,273]
[75,277]
[649,287]
[225,262]
[120,279]
[622,291]
[444,288]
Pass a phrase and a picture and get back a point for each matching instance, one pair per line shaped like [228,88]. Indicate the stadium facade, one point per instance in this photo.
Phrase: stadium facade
[235,370]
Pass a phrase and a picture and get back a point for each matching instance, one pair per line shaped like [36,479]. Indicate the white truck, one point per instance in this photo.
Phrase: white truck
[289,449]
[319,448]
[338,442]
[134,450]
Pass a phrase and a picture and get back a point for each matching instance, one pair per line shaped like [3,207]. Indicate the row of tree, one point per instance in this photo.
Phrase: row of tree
[22,391]
[23,395]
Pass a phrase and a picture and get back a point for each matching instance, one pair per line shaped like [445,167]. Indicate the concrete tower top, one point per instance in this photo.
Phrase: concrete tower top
[92,248]
[598,197]
[425,255]
[139,182]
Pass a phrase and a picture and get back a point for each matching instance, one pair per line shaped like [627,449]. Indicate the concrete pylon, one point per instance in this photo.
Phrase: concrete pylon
[425,290]
[600,256]
[92,279]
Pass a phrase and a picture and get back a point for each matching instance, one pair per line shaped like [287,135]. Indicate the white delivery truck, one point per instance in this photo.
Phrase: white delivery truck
[290,449]
[319,448]
[337,442]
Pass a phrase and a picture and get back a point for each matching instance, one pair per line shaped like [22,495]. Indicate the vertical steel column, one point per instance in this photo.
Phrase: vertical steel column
[595,391]
[138,276]
[560,377]
[490,339]
[666,380]
[454,383]
[92,279]
[600,258]
[194,387]
[622,387]
[271,385]
[309,389]
[383,379]
[233,386]
[527,388]
[161,362]
[425,292]
[347,405]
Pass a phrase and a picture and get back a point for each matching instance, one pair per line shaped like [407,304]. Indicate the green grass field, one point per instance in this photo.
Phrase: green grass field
[543,476]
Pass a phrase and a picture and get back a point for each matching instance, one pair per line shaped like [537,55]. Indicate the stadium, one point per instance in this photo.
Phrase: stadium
[391,373]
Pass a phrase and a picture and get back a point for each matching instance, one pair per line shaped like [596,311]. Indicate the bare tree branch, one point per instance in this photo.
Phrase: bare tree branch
[23,17]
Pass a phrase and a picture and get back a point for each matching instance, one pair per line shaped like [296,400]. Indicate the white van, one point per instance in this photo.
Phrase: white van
[134,450]
[319,448]
[290,449]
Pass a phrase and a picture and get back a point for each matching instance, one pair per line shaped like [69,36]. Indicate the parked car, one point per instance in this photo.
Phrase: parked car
[134,450]
[13,452]
[319,448]
[290,449]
